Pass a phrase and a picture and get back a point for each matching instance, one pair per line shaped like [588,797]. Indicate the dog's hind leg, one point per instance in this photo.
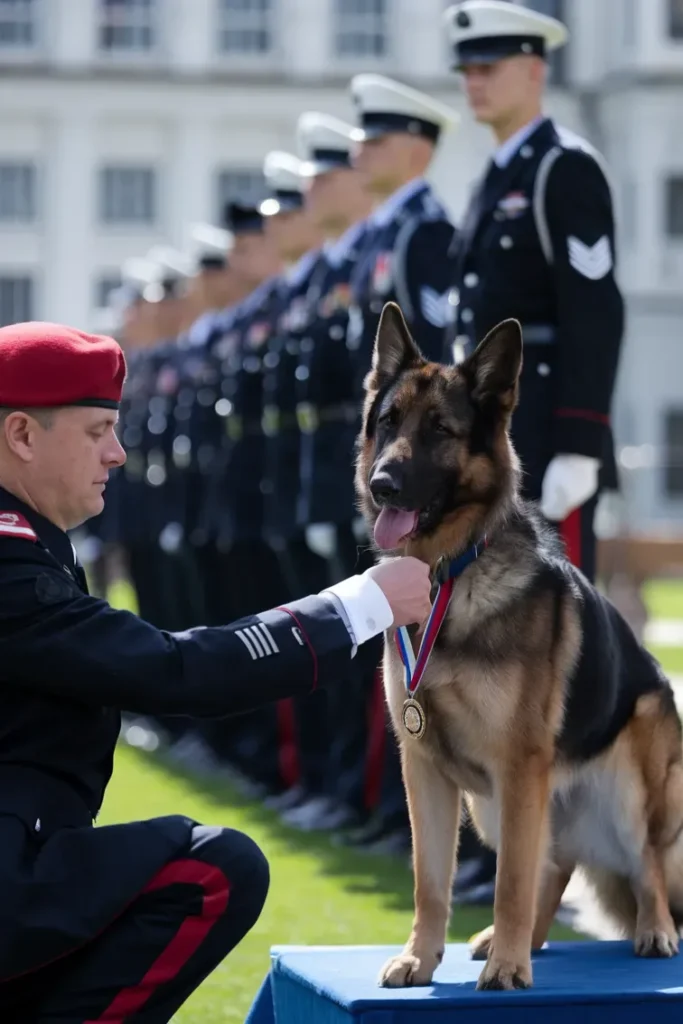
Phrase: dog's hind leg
[655,741]
[434,804]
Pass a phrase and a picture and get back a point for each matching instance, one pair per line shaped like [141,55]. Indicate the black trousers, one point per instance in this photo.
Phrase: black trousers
[171,937]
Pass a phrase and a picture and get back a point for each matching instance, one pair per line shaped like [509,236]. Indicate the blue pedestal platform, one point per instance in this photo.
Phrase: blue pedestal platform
[574,983]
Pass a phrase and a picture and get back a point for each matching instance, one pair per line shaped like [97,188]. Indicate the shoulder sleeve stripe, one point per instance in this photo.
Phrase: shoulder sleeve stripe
[14,525]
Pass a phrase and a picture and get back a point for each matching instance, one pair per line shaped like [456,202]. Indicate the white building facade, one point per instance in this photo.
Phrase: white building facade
[122,122]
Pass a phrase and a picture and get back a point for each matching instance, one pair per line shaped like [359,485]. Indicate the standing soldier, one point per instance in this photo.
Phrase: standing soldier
[332,794]
[405,258]
[245,569]
[537,243]
[298,241]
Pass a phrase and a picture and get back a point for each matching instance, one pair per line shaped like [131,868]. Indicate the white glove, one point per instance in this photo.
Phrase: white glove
[321,538]
[569,481]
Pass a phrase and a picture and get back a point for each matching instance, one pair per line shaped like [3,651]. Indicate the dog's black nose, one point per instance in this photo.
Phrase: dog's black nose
[386,485]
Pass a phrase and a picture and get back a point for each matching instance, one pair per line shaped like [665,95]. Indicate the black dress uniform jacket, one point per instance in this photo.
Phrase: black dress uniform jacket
[280,423]
[405,259]
[327,406]
[235,496]
[68,663]
[538,243]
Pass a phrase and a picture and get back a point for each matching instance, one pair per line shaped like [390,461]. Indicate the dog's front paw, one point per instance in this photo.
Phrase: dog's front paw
[407,970]
[481,944]
[504,975]
[657,942]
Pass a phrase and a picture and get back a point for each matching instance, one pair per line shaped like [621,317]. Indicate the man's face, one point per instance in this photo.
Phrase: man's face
[291,233]
[253,258]
[495,91]
[388,161]
[212,288]
[66,463]
[330,197]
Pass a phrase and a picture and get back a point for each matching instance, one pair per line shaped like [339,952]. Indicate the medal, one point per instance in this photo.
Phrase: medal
[414,718]
[413,715]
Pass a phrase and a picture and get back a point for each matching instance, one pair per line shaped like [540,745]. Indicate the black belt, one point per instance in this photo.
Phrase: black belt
[310,416]
[539,334]
[236,427]
[532,334]
[274,422]
[44,803]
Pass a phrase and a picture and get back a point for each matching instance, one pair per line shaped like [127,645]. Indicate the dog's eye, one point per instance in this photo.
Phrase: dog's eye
[439,427]
[388,418]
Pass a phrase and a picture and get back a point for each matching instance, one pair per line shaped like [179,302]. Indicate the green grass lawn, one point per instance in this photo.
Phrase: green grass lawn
[320,894]
[664,599]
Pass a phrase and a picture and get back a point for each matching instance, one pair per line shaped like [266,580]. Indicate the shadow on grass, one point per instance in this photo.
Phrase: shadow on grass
[389,877]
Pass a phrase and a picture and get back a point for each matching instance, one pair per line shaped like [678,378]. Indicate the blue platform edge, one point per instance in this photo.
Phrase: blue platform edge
[565,973]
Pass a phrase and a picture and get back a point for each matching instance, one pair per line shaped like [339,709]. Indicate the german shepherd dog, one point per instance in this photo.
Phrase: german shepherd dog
[540,706]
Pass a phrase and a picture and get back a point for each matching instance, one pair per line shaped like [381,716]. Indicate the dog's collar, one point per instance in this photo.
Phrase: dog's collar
[450,568]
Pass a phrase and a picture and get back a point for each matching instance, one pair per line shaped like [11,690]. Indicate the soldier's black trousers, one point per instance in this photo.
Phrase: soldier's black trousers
[150,960]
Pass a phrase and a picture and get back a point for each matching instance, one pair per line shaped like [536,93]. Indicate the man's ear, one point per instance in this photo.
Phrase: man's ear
[394,350]
[492,371]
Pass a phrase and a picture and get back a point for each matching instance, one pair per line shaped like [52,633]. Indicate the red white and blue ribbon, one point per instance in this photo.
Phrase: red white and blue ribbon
[414,667]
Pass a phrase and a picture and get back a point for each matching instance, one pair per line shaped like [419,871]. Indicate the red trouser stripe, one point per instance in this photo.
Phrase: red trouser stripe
[288,752]
[570,529]
[376,743]
[186,941]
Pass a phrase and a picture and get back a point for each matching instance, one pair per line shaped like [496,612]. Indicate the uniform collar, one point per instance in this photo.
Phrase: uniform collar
[387,210]
[505,152]
[299,271]
[336,252]
[50,536]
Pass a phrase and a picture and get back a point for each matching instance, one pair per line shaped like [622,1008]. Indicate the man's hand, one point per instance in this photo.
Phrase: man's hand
[569,481]
[406,585]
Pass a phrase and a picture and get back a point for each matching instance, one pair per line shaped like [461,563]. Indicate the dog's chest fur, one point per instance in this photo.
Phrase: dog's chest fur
[471,686]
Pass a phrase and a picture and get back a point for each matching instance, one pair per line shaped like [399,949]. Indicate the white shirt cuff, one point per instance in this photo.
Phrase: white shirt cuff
[366,607]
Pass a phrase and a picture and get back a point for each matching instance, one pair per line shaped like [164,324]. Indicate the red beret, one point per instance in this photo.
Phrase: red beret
[44,365]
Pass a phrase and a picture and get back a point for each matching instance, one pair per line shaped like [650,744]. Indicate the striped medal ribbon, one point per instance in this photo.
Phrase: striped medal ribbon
[413,714]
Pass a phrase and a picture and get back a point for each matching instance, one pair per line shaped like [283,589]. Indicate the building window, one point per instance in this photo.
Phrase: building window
[676,19]
[673,439]
[104,286]
[127,195]
[361,28]
[674,206]
[17,193]
[18,24]
[245,26]
[240,184]
[16,300]
[127,26]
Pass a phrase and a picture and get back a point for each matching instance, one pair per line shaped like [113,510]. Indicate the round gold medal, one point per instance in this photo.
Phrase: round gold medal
[414,719]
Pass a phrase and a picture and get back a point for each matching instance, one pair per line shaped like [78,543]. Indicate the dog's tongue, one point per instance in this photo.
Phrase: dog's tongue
[393,524]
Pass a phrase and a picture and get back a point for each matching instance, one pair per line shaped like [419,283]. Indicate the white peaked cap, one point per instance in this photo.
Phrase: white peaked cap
[325,142]
[209,245]
[385,105]
[283,174]
[483,31]
[282,171]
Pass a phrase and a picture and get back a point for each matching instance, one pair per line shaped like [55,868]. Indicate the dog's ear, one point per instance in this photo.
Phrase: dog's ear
[492,371]
[395,349]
